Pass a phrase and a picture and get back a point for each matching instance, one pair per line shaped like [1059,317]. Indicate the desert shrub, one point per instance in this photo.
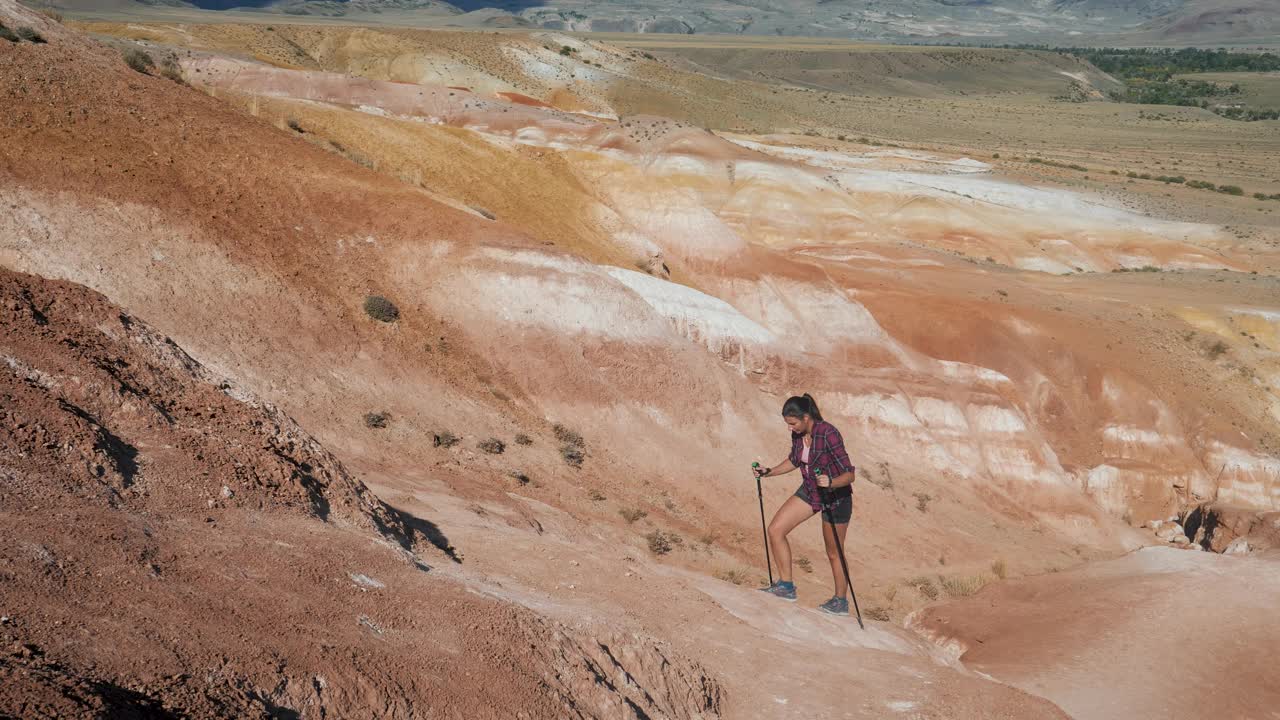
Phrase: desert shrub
[294,125]
[922,501]
[493,446]
[925,587]
[732,575]
[999,569]
[1230,189]
[1260,196]
[519,477]
[1172,179]
[572,455]
[1201,185]
[995,156]
[1216,350]
[381,309]
[444,439]
[1148,268]
[878,613]
[139,61]
[7,34]
[659,543]
[378,420]
[804,564]
[522,439]
[885,481]
[595,495]
[29,34]
[566,51]
[169,70]
[963,585]
[566,435]
[631,515]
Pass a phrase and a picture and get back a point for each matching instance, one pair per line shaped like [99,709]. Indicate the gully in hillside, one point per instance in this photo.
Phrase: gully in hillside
[827,479]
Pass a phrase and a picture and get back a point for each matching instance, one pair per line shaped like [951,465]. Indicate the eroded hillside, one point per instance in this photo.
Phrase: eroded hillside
[598,313]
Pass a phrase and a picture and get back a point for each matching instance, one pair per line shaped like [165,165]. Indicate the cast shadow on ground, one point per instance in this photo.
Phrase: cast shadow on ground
[409,529]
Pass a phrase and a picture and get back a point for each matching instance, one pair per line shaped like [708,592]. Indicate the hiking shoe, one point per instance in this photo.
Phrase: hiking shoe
[785,591]
[835,606]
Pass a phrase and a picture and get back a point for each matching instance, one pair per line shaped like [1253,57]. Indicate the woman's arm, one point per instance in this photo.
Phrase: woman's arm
[840,460]
[838,481]
[781,468]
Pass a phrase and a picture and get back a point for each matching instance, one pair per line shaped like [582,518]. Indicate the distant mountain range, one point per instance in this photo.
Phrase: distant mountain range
[962,21]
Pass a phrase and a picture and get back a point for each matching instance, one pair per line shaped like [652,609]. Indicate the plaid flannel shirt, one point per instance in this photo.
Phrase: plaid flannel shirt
[826,452]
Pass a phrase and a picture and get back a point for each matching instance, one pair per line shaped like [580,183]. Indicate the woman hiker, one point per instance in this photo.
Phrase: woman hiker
[816,445]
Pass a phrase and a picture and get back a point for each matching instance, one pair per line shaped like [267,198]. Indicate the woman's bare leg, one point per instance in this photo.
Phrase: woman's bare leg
[837,572]
[793,512]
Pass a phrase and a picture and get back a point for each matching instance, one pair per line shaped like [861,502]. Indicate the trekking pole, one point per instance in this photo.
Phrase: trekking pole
[825,494]
[763,530]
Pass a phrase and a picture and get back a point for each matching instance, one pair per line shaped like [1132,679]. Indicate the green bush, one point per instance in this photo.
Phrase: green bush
[922,501]
[659,543]
[30,35]
[1231,190]
[7,34]
[572,455]
[139,60]
[566,435]
[631,515]
[381,309]
[170,70]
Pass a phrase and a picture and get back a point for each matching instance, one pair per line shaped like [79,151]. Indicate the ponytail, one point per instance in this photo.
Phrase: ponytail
[800,405]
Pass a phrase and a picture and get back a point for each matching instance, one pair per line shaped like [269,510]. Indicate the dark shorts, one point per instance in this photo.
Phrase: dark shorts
[841,506]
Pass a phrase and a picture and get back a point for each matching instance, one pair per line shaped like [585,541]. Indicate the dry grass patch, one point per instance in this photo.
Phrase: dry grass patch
[958,586]
[925,587]
[733,575]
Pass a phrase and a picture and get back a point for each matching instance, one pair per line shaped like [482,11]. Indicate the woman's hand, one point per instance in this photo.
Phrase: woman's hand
[762,471]
[823,481]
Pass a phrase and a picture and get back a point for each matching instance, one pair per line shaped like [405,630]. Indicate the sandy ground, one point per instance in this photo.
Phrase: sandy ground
[1067,636]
